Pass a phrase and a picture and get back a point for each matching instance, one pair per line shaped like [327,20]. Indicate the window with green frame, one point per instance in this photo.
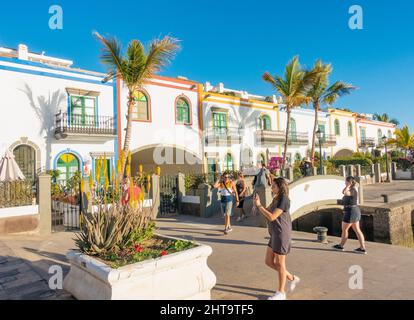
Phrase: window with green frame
[182,111]
[264,122]
[292,130]
[68,165]
[228,163]
[140,110]
[337,127]
[220,122]
[379,133]
[83,110]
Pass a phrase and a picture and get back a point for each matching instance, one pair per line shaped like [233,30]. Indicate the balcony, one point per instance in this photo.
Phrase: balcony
[268,138]
[223,136]
[78,127]
[298,138]
[328,140]
[367,142]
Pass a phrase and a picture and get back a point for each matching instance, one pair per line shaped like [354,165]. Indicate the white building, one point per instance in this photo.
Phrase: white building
[59,117]
[54,116]
[165,125]
[240,129]
[371,133]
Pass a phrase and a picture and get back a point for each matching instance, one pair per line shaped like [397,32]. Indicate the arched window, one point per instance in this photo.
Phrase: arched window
[337,127]
[67,164]
[265,122]
[140,110]
[25,157]
[292,131]
[228,162]
[379,133]
[182,111]
[389,134]
[350,129]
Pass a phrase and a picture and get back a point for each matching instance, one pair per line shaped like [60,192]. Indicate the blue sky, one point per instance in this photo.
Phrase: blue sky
[236,41]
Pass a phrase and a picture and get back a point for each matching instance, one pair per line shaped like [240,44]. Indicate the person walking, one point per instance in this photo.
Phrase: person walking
[226,188]
[241,192]
[280,229]
[351,216]
[262,178]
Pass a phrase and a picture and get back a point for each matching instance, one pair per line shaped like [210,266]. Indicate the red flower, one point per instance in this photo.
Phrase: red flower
[163,253]
[138,249]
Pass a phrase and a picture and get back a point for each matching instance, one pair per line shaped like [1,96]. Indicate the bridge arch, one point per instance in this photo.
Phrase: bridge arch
[315,193]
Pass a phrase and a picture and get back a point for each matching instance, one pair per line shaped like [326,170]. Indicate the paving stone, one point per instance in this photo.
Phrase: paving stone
[8,274]
[28,288]
[22,279]
[7,279]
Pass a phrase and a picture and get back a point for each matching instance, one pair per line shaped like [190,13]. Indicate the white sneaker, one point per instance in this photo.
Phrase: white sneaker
[278,296]
[239,219]
[293,283]
[229,229]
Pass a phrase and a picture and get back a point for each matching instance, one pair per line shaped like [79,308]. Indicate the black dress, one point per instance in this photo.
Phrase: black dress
[280,230]
[352,213]
[239,188]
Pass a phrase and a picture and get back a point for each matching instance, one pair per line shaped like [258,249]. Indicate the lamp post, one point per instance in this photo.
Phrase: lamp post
[384,140]
[319,135]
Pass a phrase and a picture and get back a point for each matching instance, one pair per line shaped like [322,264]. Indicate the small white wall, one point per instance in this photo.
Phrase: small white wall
[19,211]
[311,190]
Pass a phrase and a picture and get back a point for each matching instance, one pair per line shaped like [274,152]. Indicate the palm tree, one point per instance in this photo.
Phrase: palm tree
[293,88]
[403,139]
[385,118]
[321,93]
[134,68]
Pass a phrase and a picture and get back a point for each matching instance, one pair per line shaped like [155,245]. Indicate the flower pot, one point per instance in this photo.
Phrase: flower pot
[179,276]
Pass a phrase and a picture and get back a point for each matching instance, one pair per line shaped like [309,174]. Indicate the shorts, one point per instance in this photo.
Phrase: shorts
[226,208]
[352,214]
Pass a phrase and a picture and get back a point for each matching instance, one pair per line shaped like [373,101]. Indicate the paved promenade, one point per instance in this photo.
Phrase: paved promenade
[397,190]
[237,261]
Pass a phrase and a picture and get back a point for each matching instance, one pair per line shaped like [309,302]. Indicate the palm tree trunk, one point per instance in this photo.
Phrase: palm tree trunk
[287,135]
[127,140]
[315,126]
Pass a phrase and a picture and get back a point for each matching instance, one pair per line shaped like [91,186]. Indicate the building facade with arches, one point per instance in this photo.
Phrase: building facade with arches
[55,116]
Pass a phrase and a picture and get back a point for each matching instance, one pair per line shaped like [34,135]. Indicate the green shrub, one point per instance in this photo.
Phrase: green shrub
[351,161]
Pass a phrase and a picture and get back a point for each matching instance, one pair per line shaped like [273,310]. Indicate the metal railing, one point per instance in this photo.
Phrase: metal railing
[298,138]
[17,193]
[223,135]
[327,139]
[266,137]
[367,142]
[80,124]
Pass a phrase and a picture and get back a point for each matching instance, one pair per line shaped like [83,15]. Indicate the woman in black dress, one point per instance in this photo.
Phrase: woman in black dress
[241,191]
[352,216]
[280,229]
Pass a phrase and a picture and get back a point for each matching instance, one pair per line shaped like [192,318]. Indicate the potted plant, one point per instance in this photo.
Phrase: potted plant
[120,256]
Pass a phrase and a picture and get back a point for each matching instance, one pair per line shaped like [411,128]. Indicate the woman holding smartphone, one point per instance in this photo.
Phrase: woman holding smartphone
[352,216]
[226,188]
[280,229]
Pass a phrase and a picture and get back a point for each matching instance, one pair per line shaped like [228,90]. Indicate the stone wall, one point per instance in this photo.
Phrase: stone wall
[393,224]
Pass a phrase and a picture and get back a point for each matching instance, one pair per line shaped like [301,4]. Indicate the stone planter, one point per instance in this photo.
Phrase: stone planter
[178,276]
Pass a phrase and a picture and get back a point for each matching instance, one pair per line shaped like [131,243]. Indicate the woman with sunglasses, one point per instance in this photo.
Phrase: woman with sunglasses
[226,188]
[280,229]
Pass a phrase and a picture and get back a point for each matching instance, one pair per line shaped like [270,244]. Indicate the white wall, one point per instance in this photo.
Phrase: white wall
[343,141]
[244,117]
[162,130]
[30,101]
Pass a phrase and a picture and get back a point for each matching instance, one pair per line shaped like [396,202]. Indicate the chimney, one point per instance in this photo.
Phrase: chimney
[207,86]
[220,87]
[23,52]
